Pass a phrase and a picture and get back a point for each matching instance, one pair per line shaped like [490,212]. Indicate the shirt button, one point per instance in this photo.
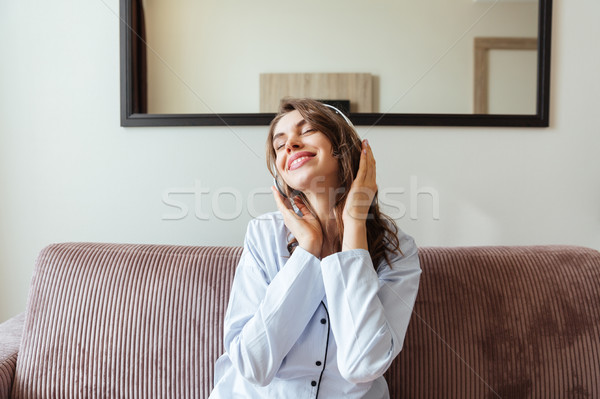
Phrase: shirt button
[313,383]
[318,363]
[323,321]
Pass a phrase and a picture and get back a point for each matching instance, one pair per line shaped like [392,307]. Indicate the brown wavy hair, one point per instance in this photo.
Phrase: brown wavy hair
[382,231]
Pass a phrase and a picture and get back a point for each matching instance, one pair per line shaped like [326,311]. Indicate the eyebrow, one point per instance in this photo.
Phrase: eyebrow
[299,124]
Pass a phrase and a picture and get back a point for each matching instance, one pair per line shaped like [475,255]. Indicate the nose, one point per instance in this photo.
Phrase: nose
[292,143]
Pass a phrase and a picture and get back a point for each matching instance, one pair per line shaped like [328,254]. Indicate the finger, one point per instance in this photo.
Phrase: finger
[283,206]
[277,198]
[370,162]
[362,166]
[302,207]
[371,171]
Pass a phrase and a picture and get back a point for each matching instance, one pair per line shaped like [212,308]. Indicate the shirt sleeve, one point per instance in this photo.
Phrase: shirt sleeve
[266,317]
[370,310]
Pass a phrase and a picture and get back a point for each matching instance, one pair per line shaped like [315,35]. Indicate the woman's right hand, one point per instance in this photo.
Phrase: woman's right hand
[305,228]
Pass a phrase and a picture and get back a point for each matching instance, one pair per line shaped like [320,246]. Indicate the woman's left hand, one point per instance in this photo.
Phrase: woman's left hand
[363,189]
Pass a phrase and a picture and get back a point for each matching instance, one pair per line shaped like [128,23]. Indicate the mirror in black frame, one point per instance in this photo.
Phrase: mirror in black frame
[473,63]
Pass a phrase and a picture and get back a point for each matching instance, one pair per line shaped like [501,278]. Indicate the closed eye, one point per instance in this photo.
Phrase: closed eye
[280,145]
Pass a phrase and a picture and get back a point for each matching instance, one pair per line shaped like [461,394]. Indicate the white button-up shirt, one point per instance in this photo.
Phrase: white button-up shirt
[302,327]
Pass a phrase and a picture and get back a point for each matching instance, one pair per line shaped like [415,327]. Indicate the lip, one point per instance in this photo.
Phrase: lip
[299,155]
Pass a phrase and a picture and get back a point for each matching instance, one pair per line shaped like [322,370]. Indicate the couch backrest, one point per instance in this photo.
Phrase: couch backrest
[117,320]
[124,321]
[503,322]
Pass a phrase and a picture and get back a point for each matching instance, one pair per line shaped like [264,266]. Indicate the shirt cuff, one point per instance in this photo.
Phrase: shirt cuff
[348,254]
[304,253]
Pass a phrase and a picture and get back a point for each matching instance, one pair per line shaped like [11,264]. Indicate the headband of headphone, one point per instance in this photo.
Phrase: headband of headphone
[337,111]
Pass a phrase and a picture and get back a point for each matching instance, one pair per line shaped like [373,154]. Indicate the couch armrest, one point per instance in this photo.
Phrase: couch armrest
[10,339]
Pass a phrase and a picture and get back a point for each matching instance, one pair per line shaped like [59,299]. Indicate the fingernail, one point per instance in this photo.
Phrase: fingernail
[366,142]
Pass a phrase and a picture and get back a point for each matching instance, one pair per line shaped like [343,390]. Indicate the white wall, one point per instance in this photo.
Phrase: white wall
[68,172]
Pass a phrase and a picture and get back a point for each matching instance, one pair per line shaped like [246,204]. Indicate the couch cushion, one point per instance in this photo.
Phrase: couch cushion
[10,339]
[124,321]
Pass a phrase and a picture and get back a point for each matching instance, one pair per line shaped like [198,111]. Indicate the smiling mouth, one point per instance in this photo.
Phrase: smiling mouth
[300,161]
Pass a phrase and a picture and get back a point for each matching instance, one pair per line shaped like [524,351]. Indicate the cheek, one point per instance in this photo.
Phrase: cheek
[331,159]
[279,164]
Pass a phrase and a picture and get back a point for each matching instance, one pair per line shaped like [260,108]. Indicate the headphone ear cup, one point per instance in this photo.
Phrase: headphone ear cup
[279,186]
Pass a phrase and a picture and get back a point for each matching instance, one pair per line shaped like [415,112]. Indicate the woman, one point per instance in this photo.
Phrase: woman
[323,293]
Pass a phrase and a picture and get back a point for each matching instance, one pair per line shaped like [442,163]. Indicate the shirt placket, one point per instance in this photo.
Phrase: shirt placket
[321,362]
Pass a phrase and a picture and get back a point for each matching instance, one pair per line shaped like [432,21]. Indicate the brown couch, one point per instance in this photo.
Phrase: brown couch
[117,320]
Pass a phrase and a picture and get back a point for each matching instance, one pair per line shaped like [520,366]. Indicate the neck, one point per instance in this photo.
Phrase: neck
[323,204]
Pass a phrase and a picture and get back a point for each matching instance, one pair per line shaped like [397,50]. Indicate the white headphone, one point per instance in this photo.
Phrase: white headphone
[337,111]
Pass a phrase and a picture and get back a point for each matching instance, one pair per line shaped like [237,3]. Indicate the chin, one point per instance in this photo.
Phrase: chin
[297,187]
[316,186]
[307,180]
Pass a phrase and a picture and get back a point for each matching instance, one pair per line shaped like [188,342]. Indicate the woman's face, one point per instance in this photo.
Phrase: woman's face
[304,155]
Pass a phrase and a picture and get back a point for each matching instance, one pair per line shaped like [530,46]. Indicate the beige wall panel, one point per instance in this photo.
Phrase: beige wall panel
[356,87]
